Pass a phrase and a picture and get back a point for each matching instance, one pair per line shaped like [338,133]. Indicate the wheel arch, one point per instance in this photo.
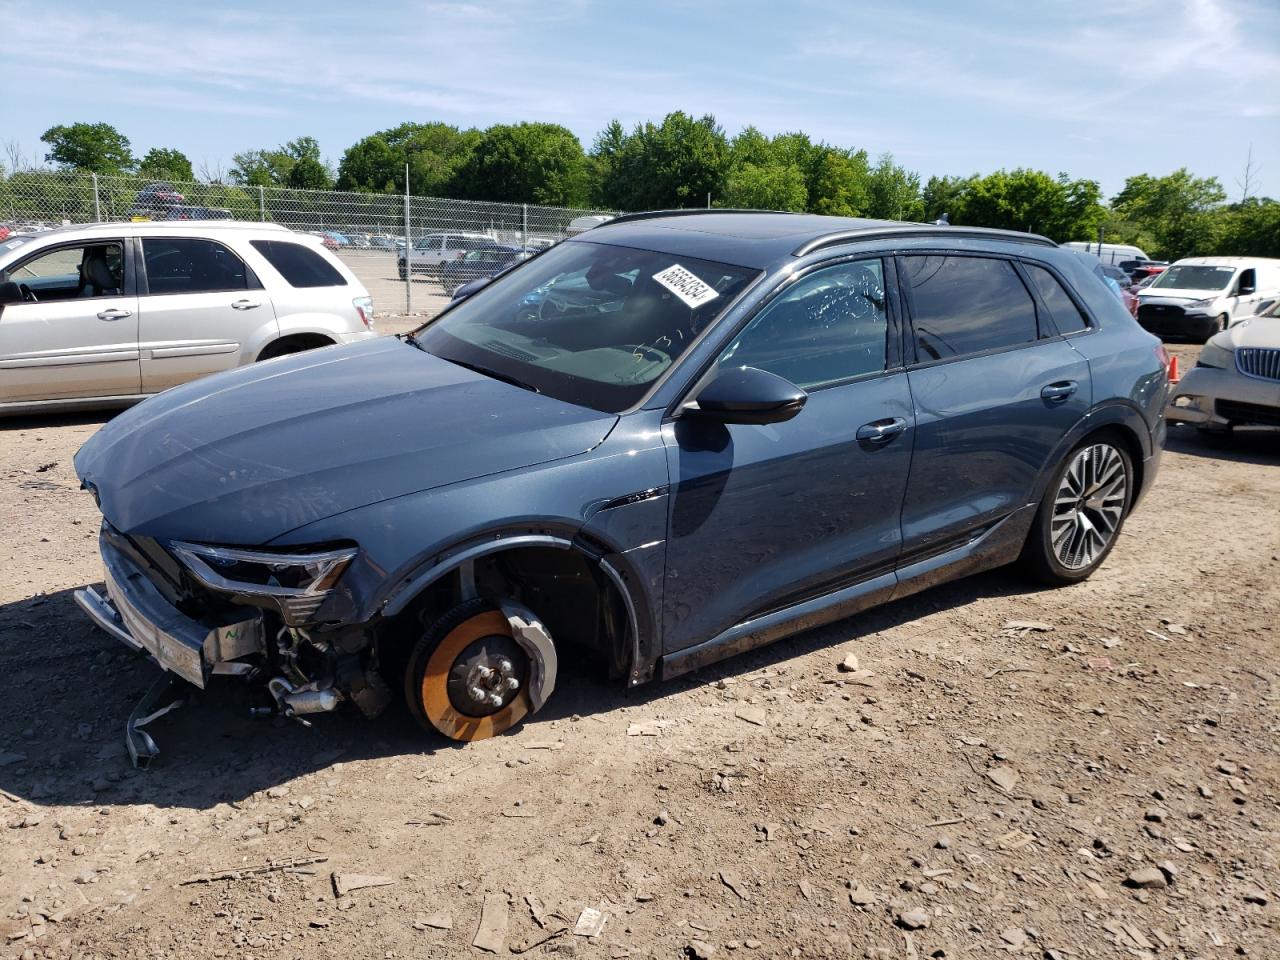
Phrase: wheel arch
[294,343]
[626,639]
[1118,417]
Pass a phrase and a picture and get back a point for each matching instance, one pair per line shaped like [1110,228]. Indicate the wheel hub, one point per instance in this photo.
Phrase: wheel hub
[487,675]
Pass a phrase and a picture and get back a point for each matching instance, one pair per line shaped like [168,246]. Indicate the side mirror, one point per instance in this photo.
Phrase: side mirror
[10,292]
[1246,289]
[748,395]
[467,289]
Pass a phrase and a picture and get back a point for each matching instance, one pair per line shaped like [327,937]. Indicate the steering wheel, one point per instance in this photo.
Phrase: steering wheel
[28,295]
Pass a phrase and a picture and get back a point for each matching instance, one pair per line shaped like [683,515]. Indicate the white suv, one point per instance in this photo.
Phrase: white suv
[107,314]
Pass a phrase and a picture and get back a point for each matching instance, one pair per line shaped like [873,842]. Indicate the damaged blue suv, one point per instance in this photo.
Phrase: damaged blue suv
[668,440]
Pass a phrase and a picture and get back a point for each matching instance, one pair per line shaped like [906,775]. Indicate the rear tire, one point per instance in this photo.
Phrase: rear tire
[1081,514]
[446,685]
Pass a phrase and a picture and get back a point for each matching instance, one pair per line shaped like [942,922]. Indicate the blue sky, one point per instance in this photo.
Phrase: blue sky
[1097,90]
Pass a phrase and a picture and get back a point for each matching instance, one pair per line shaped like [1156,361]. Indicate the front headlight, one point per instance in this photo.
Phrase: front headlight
[1212,355]
[297,581]
[1200,304]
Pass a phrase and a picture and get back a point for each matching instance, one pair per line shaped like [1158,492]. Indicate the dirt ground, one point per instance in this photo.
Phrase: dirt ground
[1085,772]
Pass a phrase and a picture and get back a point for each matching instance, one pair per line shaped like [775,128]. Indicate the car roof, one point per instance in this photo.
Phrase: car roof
[762,239]
[144,227]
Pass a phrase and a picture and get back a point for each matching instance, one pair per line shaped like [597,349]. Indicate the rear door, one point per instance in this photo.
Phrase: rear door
[77,336]
[995,388]
[199,307]
[763,517]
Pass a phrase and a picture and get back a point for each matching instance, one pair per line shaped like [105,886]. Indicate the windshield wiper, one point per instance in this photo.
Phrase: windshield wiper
[410,339]
[485,371]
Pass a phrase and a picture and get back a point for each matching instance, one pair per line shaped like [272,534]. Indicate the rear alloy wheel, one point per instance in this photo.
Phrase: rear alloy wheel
[468,678]
[1081,514]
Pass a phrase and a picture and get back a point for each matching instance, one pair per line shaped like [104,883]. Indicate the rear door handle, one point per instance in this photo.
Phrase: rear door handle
[1057,392]
[114,314]
[246,304]
[880,432]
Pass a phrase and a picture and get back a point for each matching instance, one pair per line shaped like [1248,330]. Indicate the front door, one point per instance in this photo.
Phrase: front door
[199,310]
[766,516]
[77,334]
[995,392]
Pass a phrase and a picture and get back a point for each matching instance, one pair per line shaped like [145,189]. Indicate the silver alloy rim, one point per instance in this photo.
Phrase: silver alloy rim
[1089,506]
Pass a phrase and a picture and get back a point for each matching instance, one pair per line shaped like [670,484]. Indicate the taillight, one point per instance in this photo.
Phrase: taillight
[364,308]
[1166,361]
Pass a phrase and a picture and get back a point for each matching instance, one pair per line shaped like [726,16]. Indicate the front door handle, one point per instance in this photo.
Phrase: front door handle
[1057,392]
[880,432]
[114,314]
[246,304]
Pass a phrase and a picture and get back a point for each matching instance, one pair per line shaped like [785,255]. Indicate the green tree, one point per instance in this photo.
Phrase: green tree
[97,147]
[526,162]
[946,195]
[163,163]
[893,191]
[1250,229]
[260,168]
[1031,201]
[841,183]
[677,163]
[295,164]
[1177,213]
[774,186]
[307,171]
[433,151]
[606,150]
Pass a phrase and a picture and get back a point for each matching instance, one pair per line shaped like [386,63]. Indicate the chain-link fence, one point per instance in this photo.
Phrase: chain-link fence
[369,231]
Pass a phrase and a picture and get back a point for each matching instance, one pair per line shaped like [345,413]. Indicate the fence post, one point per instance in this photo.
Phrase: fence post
[524,238]
[97,204]
[262,205]
[408,248]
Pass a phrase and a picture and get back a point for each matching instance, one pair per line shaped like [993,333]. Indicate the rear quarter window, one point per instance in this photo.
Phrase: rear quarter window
[299,265]
[1066,315]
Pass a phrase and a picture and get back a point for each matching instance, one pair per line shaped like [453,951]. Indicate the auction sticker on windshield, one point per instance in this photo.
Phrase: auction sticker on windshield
[685,285]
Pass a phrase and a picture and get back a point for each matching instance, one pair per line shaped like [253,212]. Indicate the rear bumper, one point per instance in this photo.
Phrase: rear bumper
[1215,399]
[136,613]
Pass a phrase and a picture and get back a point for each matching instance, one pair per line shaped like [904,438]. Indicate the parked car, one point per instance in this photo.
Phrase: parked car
[661,467]
[1236,379]
[1200,296]
[105,315]
[157,197]
[482,261]
[432,251]
[384,241]
[1112,254]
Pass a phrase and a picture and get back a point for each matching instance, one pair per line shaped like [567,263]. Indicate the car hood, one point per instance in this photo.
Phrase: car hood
[245,456]
[1172,295]
[1260,332]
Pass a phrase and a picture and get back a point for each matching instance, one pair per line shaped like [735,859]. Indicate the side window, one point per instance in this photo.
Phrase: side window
[1066,315]
[966,305]
[429,244]
[300,266]
[190,265]
[72,273]
[829,326]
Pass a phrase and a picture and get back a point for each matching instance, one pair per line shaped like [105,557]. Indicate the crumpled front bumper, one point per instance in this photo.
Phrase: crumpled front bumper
[1213,398]
[136,613]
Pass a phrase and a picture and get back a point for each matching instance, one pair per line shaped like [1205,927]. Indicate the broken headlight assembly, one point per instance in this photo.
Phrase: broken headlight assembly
[294,583]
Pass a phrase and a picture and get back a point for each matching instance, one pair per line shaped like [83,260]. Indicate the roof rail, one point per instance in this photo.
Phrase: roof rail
[684,212]
[918,230]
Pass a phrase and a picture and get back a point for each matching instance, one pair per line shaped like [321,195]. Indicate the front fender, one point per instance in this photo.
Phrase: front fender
[583,503]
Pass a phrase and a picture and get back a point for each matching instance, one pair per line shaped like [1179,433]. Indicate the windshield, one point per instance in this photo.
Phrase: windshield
[1195,278]
[589,323]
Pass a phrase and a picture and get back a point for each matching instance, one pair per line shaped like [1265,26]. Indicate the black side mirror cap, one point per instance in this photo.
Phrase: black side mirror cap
[10,292]
[748,395]
[1246,290]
